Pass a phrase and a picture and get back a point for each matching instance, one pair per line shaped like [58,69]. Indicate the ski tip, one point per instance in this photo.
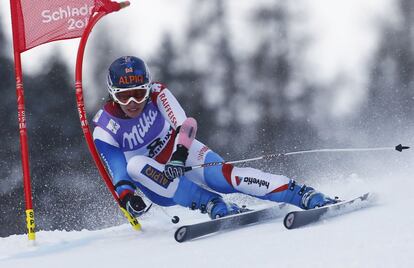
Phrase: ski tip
[366,196]
[181,234]
[289,220]
[400,147]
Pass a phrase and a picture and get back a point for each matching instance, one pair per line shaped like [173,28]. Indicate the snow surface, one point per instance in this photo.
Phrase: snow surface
[378,236]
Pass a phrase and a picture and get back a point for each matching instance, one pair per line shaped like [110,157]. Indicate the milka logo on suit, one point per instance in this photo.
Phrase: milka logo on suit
[138,132]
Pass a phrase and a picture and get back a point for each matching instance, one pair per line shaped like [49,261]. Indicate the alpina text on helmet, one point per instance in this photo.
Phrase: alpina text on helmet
[131,79]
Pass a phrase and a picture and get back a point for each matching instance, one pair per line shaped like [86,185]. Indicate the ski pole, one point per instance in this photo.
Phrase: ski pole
[399,148]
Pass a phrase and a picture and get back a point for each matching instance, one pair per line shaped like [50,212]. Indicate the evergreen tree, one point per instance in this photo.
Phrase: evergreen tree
[285,100]
[209,52]
[11,185]
[390,102]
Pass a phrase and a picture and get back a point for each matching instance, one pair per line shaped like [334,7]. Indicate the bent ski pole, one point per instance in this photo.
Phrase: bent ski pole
[399,148]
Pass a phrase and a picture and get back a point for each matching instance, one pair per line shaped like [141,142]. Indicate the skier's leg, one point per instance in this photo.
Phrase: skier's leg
[254,182]
[211,177]
[273,187]
[150,178]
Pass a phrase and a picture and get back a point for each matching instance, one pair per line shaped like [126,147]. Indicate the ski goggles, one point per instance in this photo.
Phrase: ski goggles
[124,96]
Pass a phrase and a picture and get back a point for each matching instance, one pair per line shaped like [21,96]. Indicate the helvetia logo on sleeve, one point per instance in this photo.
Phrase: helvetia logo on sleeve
[155,175]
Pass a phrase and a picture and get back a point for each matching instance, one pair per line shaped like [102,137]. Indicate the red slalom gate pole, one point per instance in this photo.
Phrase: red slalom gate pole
[21,115]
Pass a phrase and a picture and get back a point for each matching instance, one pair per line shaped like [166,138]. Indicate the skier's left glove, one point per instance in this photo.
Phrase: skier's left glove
[133,204]
[176,166]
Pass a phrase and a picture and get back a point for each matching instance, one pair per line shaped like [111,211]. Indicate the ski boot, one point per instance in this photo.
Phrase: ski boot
[303,196]
[314,199]
[217,208]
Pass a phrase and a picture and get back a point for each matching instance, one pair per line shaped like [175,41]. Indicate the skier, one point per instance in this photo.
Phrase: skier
[145,139]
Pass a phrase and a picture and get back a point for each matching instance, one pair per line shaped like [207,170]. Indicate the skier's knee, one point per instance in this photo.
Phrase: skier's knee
[215,175]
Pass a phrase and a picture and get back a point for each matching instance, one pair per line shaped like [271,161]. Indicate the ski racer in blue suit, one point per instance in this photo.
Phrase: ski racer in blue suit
[139,137]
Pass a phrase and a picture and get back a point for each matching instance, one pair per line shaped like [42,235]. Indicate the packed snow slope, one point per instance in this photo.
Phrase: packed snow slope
[380,235]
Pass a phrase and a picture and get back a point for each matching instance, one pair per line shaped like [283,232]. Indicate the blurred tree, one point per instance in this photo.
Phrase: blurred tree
[11,186]
[65,181]
[98,59]
[66,187]
[389,107]
[209,57]
[284,97]
[168,67]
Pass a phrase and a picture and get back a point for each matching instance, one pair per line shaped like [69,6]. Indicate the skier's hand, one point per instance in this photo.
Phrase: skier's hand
[133,204]
[176,166]
[174,169]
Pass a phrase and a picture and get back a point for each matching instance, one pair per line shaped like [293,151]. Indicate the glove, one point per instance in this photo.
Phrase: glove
[176,166]
[174,169]
[134,205]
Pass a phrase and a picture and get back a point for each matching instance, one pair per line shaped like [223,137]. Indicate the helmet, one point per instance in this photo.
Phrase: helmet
[129,80]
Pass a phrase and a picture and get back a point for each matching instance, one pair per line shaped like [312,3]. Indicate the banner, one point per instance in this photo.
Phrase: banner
[39,22]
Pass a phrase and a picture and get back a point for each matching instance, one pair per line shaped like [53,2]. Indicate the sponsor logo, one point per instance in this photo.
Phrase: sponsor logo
[238,180]
[250,181]
[201,153]
[168,109]
[97,116]
[108,167]
[129,70]
[158,144]
[131,79]
[138,132]
[65,13]
[113,126]
[155,175]
[156,87]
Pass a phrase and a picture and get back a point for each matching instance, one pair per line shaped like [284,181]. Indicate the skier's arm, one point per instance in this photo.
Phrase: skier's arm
[176,166]
[173,113]
[115,162]
[186,128]
[168,105]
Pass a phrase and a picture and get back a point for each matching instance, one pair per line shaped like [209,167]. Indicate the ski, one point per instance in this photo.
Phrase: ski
[296,219]
[189,232]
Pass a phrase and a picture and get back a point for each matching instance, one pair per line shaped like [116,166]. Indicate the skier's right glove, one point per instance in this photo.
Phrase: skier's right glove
[133,204]
[176,166]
